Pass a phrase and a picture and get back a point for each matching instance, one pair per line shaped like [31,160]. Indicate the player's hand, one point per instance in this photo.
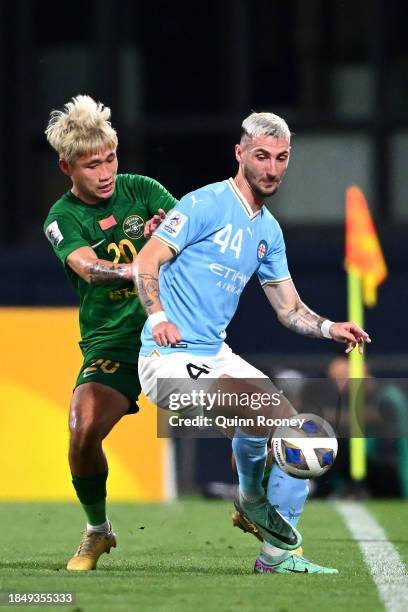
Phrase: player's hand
[350,333]
[152,224]
[166,333]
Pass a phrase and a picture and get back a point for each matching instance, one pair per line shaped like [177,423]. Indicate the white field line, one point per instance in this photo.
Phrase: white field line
[383,560]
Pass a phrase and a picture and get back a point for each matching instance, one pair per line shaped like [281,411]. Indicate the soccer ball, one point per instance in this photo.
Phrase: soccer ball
[307,450]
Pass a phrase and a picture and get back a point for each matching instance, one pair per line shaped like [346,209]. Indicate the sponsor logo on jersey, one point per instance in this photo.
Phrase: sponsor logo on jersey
[262,249]
[232,281]
[133,226]
[229,274]
[173,224]
[54,234]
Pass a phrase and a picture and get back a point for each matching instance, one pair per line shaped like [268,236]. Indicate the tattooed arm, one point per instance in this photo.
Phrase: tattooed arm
[148,287]
[146,277]
[298,317]
[94,271]
[146,273]
[291,311]
[86,264]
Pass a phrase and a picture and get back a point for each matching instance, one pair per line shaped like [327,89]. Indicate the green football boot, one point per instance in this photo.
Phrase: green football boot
[293,564]
[271,525]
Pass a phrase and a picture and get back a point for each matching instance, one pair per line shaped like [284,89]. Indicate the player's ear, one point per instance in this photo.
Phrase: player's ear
[238,153]
[65,167]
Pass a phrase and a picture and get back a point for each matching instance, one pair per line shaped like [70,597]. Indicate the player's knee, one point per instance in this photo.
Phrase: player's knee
[84,432]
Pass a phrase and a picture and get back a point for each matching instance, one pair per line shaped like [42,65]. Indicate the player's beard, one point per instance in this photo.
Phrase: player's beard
[253,181]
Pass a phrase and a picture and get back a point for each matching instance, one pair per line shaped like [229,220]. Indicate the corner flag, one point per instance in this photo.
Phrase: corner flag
[363,250]
[366,270]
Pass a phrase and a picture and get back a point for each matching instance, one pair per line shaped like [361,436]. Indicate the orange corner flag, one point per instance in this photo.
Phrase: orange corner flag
[363,250]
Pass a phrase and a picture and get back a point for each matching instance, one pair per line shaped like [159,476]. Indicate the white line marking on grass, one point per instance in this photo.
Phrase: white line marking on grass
[383,560]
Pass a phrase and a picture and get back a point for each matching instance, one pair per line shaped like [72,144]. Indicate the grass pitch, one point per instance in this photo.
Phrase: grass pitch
[186,556]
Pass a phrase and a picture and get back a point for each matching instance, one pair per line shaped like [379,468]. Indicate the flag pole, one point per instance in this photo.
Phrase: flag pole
[358,467]
[366,270]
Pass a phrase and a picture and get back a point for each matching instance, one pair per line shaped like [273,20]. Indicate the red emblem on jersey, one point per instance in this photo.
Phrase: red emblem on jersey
[107,223]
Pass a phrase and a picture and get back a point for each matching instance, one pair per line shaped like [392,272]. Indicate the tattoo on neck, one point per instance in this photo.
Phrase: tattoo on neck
[148,288]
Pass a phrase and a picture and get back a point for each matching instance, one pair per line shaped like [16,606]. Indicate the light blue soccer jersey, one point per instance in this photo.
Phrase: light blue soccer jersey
[219,244]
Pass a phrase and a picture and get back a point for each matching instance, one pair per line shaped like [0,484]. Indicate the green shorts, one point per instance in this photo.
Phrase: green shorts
[120,375]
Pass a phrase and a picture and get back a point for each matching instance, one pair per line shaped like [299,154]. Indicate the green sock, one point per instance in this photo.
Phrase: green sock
[91,492]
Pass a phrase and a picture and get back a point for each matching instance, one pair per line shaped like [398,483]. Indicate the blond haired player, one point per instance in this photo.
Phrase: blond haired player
[96,229]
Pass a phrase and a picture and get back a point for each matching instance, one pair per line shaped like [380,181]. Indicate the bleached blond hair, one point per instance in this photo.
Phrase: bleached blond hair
[265,124]
[82,128]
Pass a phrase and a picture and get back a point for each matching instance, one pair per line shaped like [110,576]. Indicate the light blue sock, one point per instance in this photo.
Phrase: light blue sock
[288,494]
[250,455]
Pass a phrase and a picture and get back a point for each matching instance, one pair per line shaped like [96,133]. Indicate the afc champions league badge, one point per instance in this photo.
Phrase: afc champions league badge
[133,226]
[262,249]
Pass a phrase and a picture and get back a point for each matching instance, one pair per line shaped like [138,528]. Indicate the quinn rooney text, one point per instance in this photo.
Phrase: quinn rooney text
[224,422]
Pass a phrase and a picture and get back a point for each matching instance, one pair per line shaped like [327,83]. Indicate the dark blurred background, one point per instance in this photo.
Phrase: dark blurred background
[179,78]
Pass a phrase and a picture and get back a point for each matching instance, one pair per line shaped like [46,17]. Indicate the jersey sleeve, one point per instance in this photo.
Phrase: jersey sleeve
[194,218]
[64,234]
[154,195]
[274,267]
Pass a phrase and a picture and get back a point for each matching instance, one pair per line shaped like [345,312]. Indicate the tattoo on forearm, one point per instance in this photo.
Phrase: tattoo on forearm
[304,321]
[101,274]
[148,288]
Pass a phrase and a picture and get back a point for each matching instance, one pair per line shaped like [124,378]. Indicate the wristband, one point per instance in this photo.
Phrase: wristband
[157,317]
[325,328]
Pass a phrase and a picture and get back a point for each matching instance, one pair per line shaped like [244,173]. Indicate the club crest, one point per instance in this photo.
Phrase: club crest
[133,226]
[262,249]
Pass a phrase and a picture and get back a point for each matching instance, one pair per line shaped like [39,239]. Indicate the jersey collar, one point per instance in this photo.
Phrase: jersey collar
[97,206]
[242,200]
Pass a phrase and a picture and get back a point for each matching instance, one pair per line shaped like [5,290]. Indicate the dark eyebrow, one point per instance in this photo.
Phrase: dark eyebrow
[265,152]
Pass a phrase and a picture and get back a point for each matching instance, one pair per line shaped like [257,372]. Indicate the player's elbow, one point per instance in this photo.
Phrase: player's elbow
[286,313]
[283,317]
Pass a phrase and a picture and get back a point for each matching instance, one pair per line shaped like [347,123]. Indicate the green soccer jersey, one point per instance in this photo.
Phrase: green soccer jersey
[111,317]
